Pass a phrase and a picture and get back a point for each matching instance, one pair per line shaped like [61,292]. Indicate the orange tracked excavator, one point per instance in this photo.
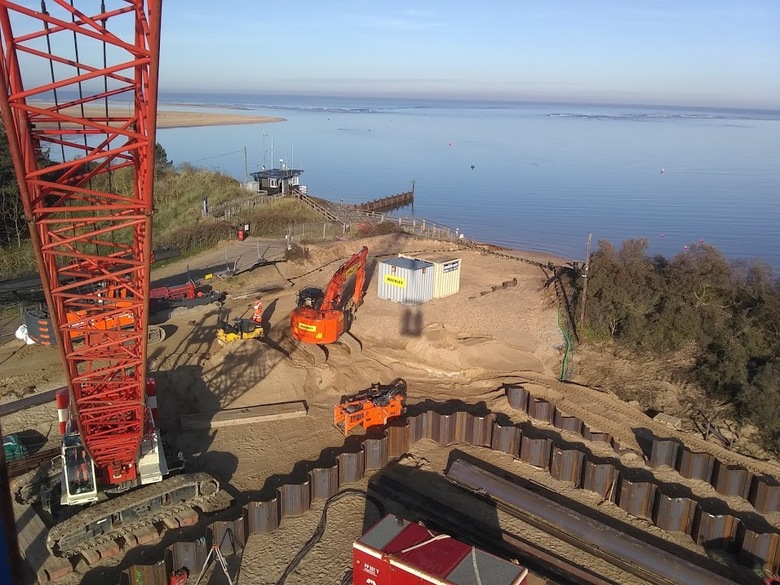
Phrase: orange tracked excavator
[321,317]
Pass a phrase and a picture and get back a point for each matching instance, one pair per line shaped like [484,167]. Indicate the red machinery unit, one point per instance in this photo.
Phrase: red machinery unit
[398,552]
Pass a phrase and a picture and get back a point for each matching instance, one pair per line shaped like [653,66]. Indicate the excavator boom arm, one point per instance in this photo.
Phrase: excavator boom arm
[355,265]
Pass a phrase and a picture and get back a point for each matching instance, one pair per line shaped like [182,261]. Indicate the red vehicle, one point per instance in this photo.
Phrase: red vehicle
[398,552]
[321,317]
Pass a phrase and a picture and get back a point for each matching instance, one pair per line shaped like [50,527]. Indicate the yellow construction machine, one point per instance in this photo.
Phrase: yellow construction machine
[239,329]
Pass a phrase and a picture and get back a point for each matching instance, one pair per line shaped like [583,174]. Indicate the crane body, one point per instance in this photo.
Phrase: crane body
[321,317]
[78,97]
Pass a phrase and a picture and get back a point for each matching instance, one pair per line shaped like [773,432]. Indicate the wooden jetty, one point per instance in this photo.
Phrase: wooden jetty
[388,203]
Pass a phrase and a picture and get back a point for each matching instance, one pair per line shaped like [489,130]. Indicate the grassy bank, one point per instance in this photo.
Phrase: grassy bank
[178,221]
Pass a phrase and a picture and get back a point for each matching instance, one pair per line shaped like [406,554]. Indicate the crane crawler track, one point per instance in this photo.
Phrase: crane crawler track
[122,515]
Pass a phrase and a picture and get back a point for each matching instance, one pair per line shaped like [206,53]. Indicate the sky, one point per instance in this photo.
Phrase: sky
[690,52]
[674,52]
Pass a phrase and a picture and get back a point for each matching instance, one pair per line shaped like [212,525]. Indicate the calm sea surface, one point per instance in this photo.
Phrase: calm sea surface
[529,176]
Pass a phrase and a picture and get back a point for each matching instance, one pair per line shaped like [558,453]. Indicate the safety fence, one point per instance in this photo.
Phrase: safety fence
[231,209]
[417,226]
[310,232]
[711,523]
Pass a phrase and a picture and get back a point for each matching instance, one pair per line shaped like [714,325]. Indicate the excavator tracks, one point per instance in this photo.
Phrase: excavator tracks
[121,515]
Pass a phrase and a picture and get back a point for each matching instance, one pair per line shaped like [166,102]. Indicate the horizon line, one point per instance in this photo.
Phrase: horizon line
[461,98]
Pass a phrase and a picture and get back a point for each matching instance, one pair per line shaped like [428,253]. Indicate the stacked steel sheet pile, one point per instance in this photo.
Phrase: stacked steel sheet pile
[639,492]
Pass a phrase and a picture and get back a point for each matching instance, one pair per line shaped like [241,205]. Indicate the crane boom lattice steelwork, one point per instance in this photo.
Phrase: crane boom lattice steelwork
[83,86]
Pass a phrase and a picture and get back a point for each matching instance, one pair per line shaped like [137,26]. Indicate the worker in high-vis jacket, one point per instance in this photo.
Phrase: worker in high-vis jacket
[257,316]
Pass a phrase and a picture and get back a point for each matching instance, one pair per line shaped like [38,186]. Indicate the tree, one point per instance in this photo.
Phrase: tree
[13,226]
[728,312]
[624,291]
[161,162]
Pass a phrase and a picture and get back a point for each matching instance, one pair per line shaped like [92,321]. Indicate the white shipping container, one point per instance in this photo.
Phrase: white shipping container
[446,278]
[405,280]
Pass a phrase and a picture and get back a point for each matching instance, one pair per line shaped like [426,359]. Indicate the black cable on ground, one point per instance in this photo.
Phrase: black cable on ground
[320,530]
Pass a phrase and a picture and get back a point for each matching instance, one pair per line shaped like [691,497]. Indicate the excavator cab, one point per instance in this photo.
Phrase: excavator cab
[78,473]
[310,297]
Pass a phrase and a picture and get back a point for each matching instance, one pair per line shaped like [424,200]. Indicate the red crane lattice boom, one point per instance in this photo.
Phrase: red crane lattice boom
[83,86]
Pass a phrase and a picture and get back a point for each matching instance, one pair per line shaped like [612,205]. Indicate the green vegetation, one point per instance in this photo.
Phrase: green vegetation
[368,229]
[729,313]
[178,221]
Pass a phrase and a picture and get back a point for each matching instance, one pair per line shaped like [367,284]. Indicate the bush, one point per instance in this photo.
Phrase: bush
[193,238]
[17,261]
[729,312]
[297,254]
[382,228]
[274,218]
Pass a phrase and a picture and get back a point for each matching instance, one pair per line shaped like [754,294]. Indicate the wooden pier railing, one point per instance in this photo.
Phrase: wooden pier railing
[388,203]
[316,206]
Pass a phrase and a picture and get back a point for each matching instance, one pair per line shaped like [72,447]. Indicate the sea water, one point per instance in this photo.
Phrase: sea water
[523,175]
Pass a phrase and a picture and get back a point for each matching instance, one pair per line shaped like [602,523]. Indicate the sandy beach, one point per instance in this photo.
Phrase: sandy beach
[180,118]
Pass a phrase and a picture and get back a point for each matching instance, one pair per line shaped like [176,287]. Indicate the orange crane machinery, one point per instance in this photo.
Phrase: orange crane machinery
[321,317]
[80,84]
[372,407]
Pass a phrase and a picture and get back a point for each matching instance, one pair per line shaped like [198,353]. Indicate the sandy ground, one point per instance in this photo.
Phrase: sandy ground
[175,118]
[459,348]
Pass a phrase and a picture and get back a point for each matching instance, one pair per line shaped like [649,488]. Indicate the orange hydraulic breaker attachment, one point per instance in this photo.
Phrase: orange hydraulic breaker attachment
[372,407]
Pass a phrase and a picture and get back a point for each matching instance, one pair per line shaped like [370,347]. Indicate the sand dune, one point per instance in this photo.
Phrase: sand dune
[177,118]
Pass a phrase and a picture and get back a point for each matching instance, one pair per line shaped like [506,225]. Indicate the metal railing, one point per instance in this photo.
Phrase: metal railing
[417,226]
[306,233]
[340,220]
[310,232]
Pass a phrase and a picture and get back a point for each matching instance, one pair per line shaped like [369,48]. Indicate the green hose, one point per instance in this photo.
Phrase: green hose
[567,339]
